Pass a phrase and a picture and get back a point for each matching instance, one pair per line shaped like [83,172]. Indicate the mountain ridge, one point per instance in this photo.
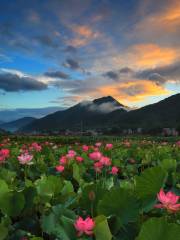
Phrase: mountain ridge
[13,126]
[107,112]
[90,113]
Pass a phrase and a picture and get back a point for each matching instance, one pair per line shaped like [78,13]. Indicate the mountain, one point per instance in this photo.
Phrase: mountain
[164,114]
[2,131]
[9,115]
[17,124]
[1,122]
[85,115]
[106,100]
[106,113]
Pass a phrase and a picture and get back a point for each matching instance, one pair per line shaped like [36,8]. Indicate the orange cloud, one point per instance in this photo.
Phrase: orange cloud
[84,31]
[151,55]
[171,15]
[165,24]
[83,35]
[134,91]
[145,56]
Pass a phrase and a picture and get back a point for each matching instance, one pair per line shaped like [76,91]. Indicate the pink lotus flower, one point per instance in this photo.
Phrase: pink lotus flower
[4,153]
[60,168]
[168,201]
[178,143]
[63,160]
[25,158]
[85,148]
[98,167]
[114,170]
[35,146]
[84,226]
[109,146]
[98,144]
[79,159]
[95,156]
[71,154]
[105,161]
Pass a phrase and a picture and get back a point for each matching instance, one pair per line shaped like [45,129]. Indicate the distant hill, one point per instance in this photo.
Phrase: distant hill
[106,113]
[2,131]
[164,114]
[17,124]
[9,115]
[85,115]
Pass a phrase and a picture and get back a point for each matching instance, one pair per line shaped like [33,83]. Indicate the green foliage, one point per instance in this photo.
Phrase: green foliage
[59,223]
[40,203]
[148,185]
[102,230]
[7,175]
[12,203]
[169,164]
[159,228]
[92,205]
[3,189]
[48,187]
[3,232]
[77,173]
[120,203]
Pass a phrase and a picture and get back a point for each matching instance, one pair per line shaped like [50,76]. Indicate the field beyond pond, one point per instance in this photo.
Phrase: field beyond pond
[70,188]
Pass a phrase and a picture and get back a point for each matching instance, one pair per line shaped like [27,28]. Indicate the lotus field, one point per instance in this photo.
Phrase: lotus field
[84,188]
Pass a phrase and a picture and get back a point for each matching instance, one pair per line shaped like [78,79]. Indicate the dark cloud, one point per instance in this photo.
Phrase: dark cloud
[116,75]
[68,85]
[156,77]
[13,83]
[111,74]
[47,41]
[133,90]
[71,63]
[57,74]
[70,49]
[161,74]
[126,70]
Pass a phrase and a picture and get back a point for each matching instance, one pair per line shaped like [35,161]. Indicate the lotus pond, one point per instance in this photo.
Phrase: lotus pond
[70,188]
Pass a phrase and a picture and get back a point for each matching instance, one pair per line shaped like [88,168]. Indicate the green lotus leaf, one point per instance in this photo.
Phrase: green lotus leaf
[148,185]
[120,203]
[12,203]
[102,230]
[47,187]
[159,228]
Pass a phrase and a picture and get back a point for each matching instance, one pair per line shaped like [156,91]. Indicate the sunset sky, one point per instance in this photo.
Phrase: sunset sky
[60,52]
